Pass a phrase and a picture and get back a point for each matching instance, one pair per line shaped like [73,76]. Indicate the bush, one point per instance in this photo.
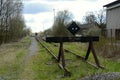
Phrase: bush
[107,47]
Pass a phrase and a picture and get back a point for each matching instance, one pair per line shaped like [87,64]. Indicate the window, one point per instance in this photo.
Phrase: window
[117,33]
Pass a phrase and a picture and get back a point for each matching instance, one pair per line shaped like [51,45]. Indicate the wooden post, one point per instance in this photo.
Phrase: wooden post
[59,55]
[62,55]
[88,51]
[94,55]
[91,48]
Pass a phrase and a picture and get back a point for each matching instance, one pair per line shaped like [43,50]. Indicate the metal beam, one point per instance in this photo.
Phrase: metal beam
[72,39]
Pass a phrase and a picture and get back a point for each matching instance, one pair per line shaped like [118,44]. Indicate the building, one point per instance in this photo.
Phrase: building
[89,29]
[113,19]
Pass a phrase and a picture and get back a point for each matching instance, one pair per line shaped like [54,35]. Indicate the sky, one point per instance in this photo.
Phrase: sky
[39,14]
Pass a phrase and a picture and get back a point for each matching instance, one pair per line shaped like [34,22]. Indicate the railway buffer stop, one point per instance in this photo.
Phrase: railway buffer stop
[74,28]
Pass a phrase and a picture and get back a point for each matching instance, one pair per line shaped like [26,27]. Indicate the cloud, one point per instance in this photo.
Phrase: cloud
[37,21]
[58,0]
[39,14]
[34,8]
[91,0]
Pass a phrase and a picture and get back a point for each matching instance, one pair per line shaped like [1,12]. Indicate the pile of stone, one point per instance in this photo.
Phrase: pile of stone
[105,76]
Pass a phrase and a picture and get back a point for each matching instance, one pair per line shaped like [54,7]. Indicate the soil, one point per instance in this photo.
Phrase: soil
[32,49]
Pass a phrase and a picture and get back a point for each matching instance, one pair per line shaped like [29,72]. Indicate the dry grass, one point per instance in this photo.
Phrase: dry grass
[11,58]
[109,48]
[42,67]
[46,68]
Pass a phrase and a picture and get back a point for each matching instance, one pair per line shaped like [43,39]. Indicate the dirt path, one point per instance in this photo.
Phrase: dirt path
[28,73]
[32,49]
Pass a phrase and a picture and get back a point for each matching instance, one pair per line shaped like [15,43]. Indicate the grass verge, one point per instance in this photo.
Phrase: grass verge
[46,68]
[11,59]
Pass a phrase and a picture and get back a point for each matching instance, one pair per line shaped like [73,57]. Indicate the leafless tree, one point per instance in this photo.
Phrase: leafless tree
[89,18]
[98,18]
[12,23]
[60,24]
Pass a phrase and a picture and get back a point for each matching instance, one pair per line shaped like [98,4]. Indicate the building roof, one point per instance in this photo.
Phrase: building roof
[86,26]
[112,3]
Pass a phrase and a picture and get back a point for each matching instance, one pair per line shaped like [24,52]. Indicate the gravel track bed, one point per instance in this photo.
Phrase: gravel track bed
[105,76]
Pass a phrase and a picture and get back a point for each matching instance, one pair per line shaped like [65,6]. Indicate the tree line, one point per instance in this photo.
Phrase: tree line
[64,18]
[12,25]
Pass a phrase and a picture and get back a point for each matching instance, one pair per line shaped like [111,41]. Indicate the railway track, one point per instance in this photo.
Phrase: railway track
[67,72]
[62,66]
[78,56]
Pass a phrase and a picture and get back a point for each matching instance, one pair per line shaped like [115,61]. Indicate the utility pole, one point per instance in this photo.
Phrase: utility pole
[43,26]
[54,14]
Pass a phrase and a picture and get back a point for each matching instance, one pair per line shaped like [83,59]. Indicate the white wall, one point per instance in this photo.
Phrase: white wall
[113,18]
[111,31]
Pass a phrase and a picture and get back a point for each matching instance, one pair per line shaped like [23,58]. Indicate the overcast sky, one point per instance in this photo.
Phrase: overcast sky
[39,14]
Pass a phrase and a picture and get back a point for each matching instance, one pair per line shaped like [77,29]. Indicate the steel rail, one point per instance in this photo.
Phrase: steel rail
[67,72]
[80,57]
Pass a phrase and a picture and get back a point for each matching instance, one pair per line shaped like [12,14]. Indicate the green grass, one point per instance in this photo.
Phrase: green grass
[47,69]
[43,67]
[12,59]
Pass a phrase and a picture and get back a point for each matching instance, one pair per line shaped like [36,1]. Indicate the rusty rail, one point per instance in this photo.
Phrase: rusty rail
[61,55]
[67,72]
[81,58]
